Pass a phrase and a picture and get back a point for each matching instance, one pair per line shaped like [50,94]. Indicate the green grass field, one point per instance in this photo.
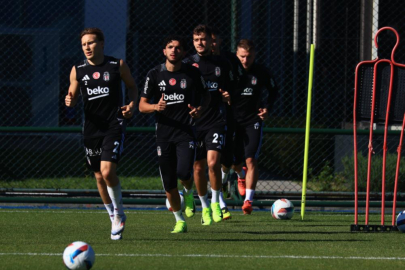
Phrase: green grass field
[36,238]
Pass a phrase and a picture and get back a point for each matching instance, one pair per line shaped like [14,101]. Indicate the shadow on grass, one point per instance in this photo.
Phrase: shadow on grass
[252,240]
[301,232]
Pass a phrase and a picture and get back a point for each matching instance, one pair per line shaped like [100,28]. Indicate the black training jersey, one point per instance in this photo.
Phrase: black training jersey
[248,96]
[100,87]
[179,88]
[217,74]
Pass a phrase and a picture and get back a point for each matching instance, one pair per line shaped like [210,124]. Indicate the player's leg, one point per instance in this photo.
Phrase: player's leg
[185,152]
[253,141]
[102,190]
[200,178]
[93,149]
[111,153]
[167,160]
[214,143]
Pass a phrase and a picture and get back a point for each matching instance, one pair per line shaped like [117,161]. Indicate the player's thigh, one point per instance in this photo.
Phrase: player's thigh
[93,148]
[113,146]
[253,140]
[185,152]
[167,160]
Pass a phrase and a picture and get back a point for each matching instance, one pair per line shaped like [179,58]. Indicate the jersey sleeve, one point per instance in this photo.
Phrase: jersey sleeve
[149,88]
[272,88]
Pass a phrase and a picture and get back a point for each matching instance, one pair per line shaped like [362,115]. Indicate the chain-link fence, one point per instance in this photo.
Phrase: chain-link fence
[41,145]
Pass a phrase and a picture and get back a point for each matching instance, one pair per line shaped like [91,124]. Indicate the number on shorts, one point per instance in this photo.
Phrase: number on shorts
[117,144]
[216,136]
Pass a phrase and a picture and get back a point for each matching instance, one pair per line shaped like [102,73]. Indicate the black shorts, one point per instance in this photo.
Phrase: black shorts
[211,139]
[108,148]
[247,142]
[176,161]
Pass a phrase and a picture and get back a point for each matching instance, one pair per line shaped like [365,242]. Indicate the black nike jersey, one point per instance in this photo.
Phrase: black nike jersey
[100,87]
[179,88]
[248,96]
[217,74]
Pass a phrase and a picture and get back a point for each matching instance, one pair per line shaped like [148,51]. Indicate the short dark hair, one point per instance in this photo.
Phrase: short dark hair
[93,31]
[170,38]
[246,44]
[202,28]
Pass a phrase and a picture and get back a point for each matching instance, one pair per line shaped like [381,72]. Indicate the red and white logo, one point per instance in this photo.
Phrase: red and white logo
[96,75]
[172,81]
[196,65]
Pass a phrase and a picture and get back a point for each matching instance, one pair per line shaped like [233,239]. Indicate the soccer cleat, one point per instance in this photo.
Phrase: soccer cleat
[116,237]
[225,213]
[118,224]
[206,218]
[190,204]
[180,227]
[247,207]
[242,184]
[216,212]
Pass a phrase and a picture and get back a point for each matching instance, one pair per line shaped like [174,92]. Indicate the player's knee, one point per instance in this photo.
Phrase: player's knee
[198,167]
[213,165]
[251,162]
[108,174]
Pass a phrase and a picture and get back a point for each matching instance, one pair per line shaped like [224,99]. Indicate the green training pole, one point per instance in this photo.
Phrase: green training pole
[308,125]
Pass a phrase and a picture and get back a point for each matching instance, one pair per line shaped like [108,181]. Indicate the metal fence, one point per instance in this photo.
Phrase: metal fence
[40,141]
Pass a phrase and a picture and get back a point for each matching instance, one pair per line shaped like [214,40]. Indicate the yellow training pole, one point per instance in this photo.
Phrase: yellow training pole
[308,125]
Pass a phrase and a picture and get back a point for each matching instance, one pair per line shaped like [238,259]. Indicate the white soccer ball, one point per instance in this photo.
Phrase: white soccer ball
[182,203]
[79,255]
[282,209]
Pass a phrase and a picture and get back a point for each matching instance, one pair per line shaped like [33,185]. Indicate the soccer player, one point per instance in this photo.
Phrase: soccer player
[177,93]
[227,151]
[211,127]
[250,109]
[98,78]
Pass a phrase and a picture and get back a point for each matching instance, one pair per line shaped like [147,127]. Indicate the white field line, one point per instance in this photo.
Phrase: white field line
[221,256]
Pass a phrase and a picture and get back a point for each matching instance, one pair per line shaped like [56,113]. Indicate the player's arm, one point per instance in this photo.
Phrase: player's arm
[146,107]
[128,110]
[73,92]
[147,94]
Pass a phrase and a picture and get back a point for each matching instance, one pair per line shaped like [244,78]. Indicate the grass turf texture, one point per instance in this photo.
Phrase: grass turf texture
[245,242]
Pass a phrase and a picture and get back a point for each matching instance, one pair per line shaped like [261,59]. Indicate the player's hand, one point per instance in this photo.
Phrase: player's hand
[225,96]
[69,100]
[262,113]
[194,112]
[161,105]
[127,111]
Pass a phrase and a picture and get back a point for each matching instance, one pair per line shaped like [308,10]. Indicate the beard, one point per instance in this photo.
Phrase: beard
[173,62]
